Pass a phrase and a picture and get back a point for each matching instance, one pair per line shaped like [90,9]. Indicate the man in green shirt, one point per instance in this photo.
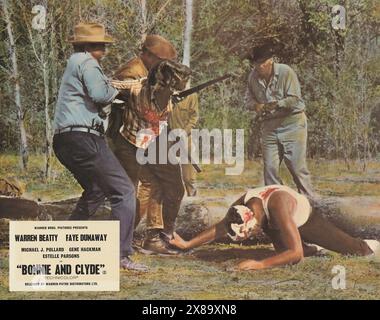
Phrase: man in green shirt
[274,93]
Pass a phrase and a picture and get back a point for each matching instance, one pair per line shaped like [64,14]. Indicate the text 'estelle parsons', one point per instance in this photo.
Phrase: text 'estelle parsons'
[54,237]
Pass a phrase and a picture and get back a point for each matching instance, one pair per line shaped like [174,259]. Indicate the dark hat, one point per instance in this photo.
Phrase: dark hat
[261,53]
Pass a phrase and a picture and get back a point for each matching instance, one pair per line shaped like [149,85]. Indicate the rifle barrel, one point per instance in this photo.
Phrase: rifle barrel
[202,86]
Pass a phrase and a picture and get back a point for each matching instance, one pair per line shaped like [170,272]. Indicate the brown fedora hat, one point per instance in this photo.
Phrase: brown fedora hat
[160,47]
[90,32]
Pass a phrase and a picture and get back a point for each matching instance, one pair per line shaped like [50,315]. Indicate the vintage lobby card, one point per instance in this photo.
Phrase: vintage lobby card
[64,256]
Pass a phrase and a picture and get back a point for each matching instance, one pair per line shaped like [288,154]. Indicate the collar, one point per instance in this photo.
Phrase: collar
[276,72]
[88,54]
[276,69]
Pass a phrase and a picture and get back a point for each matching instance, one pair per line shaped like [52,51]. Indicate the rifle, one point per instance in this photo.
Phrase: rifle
[179,96]
[195,166]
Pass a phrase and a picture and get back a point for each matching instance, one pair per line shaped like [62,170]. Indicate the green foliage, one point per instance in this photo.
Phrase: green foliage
[338,70]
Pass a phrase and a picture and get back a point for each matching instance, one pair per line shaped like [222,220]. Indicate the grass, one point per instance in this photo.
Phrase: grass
[329,178]
[203,274]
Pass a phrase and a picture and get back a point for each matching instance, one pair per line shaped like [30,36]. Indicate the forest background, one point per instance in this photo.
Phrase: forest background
[338,65]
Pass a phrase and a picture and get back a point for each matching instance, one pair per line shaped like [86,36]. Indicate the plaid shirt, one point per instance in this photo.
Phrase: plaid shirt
[142,120]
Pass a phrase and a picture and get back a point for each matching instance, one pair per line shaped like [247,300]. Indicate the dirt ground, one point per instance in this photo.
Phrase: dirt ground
[204,274]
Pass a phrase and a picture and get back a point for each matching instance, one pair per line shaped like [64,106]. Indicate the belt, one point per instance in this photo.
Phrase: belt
[79,129]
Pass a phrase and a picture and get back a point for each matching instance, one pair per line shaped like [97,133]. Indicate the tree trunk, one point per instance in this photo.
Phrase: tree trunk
[42,53]
[144,22]
[44,59]
[17,92]
[48,130]
[187,32]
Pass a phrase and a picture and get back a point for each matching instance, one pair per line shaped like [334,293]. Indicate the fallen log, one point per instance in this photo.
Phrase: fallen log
[61,210]
[25,209]
[18,208]
[358,216]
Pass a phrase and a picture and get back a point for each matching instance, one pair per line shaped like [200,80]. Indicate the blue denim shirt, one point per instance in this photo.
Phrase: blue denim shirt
[84,88]
[283,87]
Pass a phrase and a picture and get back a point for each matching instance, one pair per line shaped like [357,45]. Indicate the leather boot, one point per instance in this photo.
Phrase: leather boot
[155,244]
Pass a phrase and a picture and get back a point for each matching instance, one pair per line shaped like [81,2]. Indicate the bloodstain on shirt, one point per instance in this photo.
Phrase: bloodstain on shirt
[265,194]
[153,118]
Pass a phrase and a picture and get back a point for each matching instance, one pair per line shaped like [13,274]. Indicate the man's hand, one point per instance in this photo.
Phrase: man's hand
[178,242]
[259,108]
[250,265]
[269,107]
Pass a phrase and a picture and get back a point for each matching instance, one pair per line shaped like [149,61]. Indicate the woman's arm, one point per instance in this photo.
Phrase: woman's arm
[215,232]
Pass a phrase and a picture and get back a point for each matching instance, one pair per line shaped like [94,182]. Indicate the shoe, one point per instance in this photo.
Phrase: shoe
[158,246]
[127,264]
[137,244]
[166,237]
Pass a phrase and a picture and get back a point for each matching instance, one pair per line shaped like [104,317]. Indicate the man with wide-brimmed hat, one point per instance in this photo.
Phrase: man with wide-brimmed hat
[161,189]
[274,93]
[79,142]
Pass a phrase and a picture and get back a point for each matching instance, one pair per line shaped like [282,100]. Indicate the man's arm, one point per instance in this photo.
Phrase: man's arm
[98,87]
[281,206]
[250,99]
[292,93]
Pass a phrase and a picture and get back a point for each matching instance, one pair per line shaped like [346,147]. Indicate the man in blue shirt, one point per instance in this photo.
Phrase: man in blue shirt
[79,141]
[274,93]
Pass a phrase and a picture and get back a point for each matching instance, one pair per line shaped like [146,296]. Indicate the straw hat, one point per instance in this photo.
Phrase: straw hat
[90,33]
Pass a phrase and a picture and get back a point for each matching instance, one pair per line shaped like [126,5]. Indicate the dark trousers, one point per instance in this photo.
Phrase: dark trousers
[163,199]
[101,176]
[125,152]
[161,190]
[317,230]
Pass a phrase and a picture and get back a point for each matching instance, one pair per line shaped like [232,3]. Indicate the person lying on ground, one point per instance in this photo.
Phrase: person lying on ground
[290,222]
